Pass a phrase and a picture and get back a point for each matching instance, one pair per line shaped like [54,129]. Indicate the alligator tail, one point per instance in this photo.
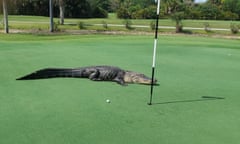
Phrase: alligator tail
[53,73]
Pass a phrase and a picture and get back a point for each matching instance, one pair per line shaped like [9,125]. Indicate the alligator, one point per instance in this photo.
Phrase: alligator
[94,73]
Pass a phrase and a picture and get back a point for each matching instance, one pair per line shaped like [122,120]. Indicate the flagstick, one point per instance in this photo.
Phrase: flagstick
[154,52]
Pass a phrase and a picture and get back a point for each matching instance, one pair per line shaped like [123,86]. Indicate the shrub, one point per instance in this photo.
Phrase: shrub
[123,13]
[234,28]
[128,11]
[153,25]
[128,24]
[193,14]
[104,24]
[186,31]
[98,12]
[138,14]
[150,12]
[230,16]
[55,26]
[207,27]
[210,11]
[1,20]
[81,25]
[146,13]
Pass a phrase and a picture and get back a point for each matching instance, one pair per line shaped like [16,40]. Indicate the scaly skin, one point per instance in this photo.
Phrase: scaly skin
[95,73]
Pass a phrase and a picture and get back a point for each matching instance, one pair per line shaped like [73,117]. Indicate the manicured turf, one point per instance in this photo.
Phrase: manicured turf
[71,111]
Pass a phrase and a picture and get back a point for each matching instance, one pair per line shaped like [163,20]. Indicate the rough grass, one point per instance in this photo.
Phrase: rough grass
[74,110]
[42,23]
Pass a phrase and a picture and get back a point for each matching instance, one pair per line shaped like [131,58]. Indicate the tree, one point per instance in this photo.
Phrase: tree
[114,5]
[33,7]
[77,9]
[168,6]
[216,2]
[177,10]
[210,11]
[232,6]
[141,9]
[99,8]
[104,4]
[5,13]
[178,17]
[124,9]
[51,15]
[11,6]
[61,11]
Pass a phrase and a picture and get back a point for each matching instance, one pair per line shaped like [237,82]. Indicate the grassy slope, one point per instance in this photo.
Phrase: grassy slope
[74,110]
[34,22]
[114,20]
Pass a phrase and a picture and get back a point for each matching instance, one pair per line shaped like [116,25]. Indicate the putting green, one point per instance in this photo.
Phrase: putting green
[70,111]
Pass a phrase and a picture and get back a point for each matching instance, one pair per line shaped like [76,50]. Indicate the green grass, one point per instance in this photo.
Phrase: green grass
[42,23]
[74,110]
[112,19]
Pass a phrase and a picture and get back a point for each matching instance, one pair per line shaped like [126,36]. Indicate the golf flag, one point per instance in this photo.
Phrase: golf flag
[154,50]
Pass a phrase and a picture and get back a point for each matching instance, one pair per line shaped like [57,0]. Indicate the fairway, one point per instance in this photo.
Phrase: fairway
[75,111]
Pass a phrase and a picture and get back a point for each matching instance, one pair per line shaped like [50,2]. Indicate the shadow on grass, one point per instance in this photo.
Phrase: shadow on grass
[203,98]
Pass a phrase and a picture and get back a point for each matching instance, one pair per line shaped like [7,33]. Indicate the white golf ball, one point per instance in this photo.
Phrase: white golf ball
[108,101]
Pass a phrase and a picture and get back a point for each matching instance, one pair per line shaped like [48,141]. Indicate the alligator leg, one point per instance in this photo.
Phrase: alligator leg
[94,76]
[120,81]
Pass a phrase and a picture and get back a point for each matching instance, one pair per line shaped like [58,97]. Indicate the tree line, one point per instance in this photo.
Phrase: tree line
[71,8]
[128,9]
[186,9]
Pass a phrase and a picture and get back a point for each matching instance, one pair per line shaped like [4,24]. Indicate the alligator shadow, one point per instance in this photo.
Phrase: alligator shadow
[157,84]
[203,98]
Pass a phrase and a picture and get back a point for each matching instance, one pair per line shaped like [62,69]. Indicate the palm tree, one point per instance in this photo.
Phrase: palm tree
[51,15]
[216,2]
[61,9]
[5,13]
[176,9]
[168,6]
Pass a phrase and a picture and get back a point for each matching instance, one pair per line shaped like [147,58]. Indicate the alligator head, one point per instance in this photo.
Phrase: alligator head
[134,77]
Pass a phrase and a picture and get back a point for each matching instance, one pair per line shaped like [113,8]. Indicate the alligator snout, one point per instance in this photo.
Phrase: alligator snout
[133,77]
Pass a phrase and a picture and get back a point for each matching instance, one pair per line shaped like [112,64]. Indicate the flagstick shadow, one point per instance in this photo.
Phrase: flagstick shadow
[204,98]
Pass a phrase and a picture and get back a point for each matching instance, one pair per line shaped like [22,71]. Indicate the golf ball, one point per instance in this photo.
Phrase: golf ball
[108,101]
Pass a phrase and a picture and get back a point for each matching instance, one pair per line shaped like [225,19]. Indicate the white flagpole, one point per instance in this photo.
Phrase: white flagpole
[154,50]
